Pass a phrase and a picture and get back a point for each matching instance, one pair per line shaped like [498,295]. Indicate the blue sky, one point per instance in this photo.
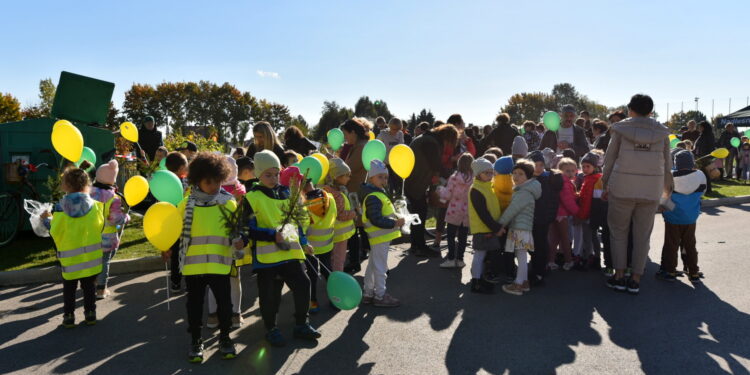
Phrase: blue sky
[467,57]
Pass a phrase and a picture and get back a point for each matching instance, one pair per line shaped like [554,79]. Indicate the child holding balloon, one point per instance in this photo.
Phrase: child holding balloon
[339,175]
[177,163]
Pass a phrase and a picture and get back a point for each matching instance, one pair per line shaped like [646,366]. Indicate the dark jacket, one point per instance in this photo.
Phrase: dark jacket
[252,150]
[502,136]
[428,149]
[580,143]
[545,210]
[602,142]
[725,140]
[706,143]
[375,207]
[302,146]
[149,141]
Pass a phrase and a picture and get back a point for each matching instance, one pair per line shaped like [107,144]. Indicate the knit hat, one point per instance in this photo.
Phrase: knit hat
[535,156]
[264,160]
[148,119]
[549,155]
[480,165]
[504,165]
[682,160]
[590,158]
[337,167]
[107,173]
[568,108]
[377,167]
[519,146]
[232,178]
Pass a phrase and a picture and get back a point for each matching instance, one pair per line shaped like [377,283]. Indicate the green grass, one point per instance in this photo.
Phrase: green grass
[29,251]
[728,188]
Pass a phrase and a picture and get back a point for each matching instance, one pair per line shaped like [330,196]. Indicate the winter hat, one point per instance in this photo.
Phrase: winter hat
[682,160]
[264,160]
[480,165]
[337,167]
[504,165]
[590,158]
[568,108]
[232,178]
[519,146]
[549,155]
[535,156]
[107,173]
[377,167]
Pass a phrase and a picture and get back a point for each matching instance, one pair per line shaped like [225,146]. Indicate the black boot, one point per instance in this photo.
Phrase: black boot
[481,286]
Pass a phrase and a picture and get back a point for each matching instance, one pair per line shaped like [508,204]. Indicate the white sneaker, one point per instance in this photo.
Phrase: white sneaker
[553,266]
[567,266]
[450,263]
[460,264]
[212,321]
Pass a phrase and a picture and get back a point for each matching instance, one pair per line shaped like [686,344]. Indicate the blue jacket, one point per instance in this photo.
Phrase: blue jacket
[688,190]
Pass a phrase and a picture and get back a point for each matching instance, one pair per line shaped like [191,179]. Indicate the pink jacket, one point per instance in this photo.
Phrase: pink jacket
[568,205]
[456,193]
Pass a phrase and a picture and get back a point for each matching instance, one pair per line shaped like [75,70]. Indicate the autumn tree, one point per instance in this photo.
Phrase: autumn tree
[10,108]
[46,97]
[331,117]
[680,119]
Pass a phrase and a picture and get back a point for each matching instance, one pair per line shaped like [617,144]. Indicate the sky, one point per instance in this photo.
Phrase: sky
[464,57]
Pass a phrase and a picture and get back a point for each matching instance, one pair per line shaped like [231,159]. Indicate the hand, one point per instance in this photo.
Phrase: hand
[605,195]
[400,222]
[309,249]
[501,232]
[238,244]
[279,237]
[45,215]
[166,255]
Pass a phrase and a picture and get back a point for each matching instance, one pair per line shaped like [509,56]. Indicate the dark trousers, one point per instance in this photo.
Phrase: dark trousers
[196,292]
[270,282]
[598,221]
[174,265]
[501,261]
[676,235]
[418,205]
[356,244]
[313,268]
[88,284]
[462,233]
[539,256]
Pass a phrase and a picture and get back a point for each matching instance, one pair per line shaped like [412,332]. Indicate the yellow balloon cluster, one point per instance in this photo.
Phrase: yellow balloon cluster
[324,163]
[162,225]
[67,140]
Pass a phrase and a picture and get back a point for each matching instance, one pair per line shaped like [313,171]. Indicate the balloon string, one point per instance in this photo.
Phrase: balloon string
[317,270]
[166,277]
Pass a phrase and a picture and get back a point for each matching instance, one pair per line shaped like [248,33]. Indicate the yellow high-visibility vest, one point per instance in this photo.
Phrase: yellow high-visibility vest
[210,250]
[320,231]
[476,225]
[376,234]
[269,214]
[344,230]
[79,242]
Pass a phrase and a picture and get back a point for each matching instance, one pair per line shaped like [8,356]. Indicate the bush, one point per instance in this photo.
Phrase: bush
[174,140]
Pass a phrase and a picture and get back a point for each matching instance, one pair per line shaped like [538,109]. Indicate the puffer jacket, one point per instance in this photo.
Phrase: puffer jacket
[637,163]
[586,196]
[520,213]
[689,187]
[568,205]
[456,194]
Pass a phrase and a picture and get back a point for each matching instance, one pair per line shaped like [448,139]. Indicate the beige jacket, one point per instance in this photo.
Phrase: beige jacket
[638,164]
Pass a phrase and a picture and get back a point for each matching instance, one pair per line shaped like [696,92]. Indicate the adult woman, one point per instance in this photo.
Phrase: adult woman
[427,170]
[356,136]
[265,139]
[296,141]
[704,145]
[725,140]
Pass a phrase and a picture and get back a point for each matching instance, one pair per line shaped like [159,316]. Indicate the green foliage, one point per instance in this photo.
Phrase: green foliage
[331,117]
[46,95]
[301,124]
[371,110]
[10,108]
[680,119]
[210,143]
[531,106]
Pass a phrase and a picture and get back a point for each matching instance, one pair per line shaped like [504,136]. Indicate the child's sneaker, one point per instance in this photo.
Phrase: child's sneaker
[237,320]
[386,301]
[90,317]
[633,287]
[306,332]
[367,297]
[226,348]
[492,278]
[460,264]
[666,276]
[481,286]
[195,354]
[515,289]
[69,321]
[696,278]
[449,263]
[526,286]
[175,288]
[102,293]
[568,265]
[609,272]
[619,285]
[275,338]
[552,266]
[212,321]
[314,307]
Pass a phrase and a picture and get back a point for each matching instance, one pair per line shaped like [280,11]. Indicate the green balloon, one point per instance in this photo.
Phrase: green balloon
[673,143]
[311,168]
[747,133]
[163,164]
[551,120]
[735,142]
[343,290]
[374,150]
[335,138]
[166,187]
[88,155]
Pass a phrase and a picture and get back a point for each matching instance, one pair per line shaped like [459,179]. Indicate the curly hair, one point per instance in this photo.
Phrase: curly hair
[526,166]
[76,180]
[208,166]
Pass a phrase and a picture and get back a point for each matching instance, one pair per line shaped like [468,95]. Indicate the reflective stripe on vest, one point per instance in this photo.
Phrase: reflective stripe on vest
[344,230]
[376,234]
[79,251]
[208,258]
[79,242]
[269,214]
[209,251]
[93,263]
[320,232]
[210,240]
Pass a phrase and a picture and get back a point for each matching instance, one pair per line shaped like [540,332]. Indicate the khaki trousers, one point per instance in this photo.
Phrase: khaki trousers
[619,217]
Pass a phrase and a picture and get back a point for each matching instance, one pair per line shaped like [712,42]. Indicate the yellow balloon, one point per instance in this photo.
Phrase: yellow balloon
[299,158]
[67,140]
[162,225]
[324,162]
[136,190]
[720,153]
[672,136]
[372,135]
[129,131]
[401,159]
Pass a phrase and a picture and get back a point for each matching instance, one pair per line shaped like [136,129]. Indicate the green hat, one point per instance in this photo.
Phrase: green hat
[149,119]
[265,160]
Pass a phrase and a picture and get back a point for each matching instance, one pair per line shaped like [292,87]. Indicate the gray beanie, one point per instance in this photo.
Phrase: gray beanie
[519,146]
[337,168]
[481,165]
[377,167]
[684,160]
[590,158]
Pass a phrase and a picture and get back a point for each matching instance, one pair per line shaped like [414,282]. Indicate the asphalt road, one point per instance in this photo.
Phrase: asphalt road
[572,325]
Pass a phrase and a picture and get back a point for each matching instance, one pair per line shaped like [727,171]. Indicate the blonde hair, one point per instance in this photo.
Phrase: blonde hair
[565,162]
[269,137]
[365,122]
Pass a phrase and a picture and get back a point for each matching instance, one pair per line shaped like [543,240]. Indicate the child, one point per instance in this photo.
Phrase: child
[593,211]
[276,261]
[559,230]
[76,227]
[484,211]
[680,222]
[381,226]
[176,163]
[545,212]
[457,216]
[105,191]
[518,218]
[531,137]
[340,174]
[246,172]
[189,149]
[322,209]
[744,161]
[233,187]
[205,254]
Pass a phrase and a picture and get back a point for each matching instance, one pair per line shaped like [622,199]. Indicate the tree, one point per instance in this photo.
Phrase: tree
[301,124]
[425,115]
[381,109]
[10,108]
[680,119]
[331,117]
[46,98]
[365,108]
[528,106]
